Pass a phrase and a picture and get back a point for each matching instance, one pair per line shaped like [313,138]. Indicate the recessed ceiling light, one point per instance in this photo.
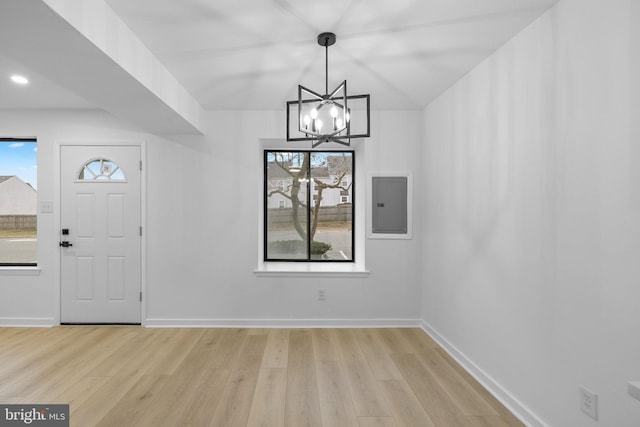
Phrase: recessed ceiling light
[21,80]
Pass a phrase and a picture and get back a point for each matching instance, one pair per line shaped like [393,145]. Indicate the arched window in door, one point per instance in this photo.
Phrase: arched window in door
[100,170]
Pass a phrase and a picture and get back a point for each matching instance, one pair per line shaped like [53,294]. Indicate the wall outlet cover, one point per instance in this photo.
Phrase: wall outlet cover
[589,402]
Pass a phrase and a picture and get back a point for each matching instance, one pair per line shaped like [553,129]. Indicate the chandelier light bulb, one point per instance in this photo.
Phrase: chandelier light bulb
[339,123]
[314,113]
[307,120]
[333,111]
[319,125]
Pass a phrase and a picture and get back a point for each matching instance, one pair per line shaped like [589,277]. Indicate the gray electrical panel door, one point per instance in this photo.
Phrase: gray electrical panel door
[389,194]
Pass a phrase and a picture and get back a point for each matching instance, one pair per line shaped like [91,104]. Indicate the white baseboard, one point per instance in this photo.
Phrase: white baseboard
[523,413]
[21,322]
[282,323]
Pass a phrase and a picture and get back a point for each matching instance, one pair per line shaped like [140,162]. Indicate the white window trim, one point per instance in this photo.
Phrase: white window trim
[315,269]
[20,271]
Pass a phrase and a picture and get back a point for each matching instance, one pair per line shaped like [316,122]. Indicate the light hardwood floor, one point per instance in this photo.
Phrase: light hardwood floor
[132,376]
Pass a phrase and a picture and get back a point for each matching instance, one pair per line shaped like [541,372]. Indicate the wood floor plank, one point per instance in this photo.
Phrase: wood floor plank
[406,409]
[250,357]
[505,414]
[49,369]
[120,381]
[379,360]
[76,394]
[460,391]
[10,333]
[365,393]
[24,340]
[235,403]
[131,407]
[442,411]
[175,347]
[200,354]
[17,372]
[466,398]
[336,407]
[417,338]
[302,407]
[267,408]
[68,383]
[393,341]
[187,400]
[487,421]
[96,406]
[324,345]
[65,376]
[226,351]
[142,342]
[276,352]
[376,422]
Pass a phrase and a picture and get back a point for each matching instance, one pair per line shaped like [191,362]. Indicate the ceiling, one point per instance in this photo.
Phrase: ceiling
[252,54]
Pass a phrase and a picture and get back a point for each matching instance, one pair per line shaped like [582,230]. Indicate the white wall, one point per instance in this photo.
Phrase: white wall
[204,241]
[532,208]
[202,226]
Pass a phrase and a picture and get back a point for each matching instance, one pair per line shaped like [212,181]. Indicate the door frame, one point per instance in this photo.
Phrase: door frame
[57,282]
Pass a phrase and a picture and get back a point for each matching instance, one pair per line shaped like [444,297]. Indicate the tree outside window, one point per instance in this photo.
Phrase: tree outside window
[316,225]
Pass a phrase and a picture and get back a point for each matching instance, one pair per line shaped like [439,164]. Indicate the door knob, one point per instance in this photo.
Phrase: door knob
[65,244]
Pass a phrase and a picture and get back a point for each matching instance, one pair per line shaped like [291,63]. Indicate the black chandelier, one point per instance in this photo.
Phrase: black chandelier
[330,117]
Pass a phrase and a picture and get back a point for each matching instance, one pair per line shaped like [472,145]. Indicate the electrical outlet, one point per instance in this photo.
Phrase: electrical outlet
[322,295]
[589,403]
[46,206]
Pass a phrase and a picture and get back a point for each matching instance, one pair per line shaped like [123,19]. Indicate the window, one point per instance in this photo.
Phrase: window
[101,170]
[18,202]
[313,227]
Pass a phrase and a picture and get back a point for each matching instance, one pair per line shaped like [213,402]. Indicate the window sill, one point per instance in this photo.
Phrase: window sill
[285,269]
[20,271]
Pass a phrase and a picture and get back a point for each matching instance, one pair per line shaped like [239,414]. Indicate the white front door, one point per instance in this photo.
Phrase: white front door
[100,221]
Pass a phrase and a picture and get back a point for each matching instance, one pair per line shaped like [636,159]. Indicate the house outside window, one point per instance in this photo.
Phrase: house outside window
[317,225]
[18,202]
